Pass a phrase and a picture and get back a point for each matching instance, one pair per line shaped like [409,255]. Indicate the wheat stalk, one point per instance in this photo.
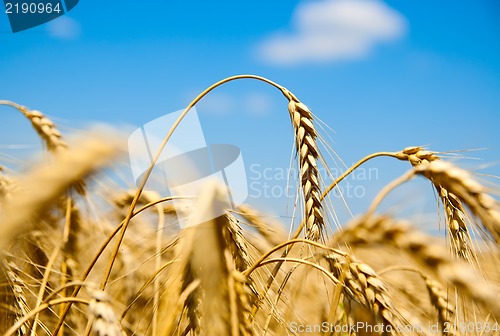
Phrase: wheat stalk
[70,237]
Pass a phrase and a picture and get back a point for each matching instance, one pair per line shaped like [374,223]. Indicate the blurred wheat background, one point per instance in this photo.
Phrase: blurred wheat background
[107,261]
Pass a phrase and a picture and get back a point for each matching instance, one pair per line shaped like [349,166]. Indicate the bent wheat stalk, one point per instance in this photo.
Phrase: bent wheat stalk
[303,126]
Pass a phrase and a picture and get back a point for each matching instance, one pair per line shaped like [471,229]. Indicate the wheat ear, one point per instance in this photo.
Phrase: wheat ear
[307,150]
[18,287]
[365,287]
[45,128]
[240,296]
[48,181]
[209,259]
[377,230]
[47,131]
[460,183]
[457,227]
[454,211]
[438,297]
[6,185]
[105,322]
[236,242]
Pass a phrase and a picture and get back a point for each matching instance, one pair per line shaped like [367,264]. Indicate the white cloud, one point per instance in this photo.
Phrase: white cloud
[332,30]
[64,28]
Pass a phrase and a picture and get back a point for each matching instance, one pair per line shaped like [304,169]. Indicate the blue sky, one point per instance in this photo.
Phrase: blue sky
[419,73]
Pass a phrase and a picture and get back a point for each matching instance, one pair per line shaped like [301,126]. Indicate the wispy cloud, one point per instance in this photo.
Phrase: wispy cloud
[253,103]
[332,30]
[64,28]
[218,103]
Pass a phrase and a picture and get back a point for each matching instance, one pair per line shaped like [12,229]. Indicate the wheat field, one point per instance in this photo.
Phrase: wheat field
[101,261]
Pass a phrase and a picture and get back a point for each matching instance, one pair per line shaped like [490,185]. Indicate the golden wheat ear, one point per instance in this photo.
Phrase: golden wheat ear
[46,182]
[456,218]
[13,294]
[45,128]
[463,187]
[47,131]
[6,185]
[307,150]
[364,286]
[384,230]
[214,251]
[208,262]
[104,320]
[439,299]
